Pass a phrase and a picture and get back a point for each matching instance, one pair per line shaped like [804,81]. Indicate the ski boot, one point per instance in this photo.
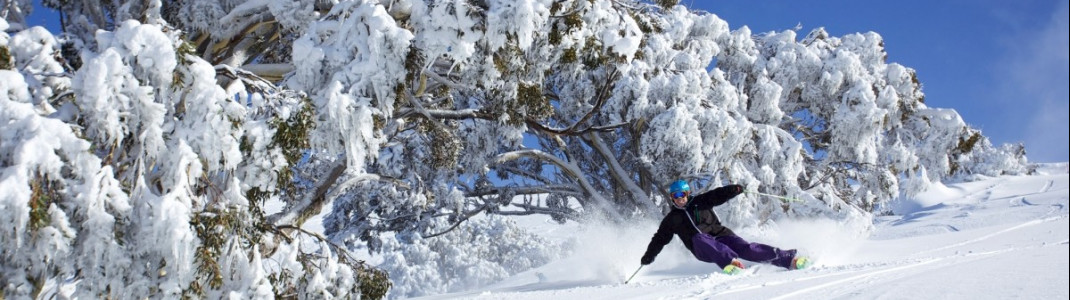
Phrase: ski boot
[800,262]
[734,268]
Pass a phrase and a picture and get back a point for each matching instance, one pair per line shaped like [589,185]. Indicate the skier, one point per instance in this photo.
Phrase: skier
[693,220]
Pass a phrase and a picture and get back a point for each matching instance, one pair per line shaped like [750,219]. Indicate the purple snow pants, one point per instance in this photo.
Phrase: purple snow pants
[721,250]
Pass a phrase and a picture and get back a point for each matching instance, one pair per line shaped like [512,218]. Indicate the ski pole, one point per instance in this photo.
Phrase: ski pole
[782,198]
[633,274]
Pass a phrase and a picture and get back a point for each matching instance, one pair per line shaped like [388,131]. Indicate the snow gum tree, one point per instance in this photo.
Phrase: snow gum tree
[144,173]
[140,150]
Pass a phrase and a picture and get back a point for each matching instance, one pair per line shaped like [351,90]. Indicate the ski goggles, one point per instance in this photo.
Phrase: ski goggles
[678,195]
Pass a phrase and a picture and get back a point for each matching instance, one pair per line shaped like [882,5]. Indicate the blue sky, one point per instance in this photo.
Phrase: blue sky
[1003,65]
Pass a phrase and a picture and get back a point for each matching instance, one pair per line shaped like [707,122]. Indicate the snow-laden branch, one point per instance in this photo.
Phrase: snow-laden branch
[464,217]
[312,203]
[601,96]
[450,83]
[269,71]
[463,114]
[447,114]
[573,129]
[529,174]
[526,190]
[570,168]
[248,77]
[532,209]
[619,174]
[487,207]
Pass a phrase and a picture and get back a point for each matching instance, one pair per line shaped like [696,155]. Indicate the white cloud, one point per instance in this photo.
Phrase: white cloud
[1038,69]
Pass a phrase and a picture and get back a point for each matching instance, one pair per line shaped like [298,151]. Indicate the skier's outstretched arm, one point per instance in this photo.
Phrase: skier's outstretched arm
[661,237]
[717,196]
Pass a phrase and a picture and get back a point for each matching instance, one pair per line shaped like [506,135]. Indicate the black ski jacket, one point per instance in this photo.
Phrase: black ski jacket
[700,208]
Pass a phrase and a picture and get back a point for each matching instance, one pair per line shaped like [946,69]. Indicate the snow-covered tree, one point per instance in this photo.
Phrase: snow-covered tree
[15,11]
[169,125]
[138,174]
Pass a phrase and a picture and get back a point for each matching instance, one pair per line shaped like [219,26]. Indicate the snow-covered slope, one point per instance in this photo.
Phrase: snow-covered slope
[997,238]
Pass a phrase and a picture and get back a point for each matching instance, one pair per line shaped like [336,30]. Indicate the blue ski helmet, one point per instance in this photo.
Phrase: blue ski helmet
[679,186]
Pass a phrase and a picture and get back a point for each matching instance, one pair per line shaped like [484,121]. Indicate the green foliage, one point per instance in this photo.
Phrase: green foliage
[446,148]
[185,48]
[529,104]
[532,101]
[667,4]
[181,53]
[71,57]
[413,64]
[569,56]
[645,25]
[256,198]
[6,62]
[573,20]
[564,24]
[570,21]
[964,146]
[906,112]
[502,59]
[914,79]
[43,193]
[594,57]
[214,228]
[291,135]
[281,291]
[648,28]
[374,283]
[399,95]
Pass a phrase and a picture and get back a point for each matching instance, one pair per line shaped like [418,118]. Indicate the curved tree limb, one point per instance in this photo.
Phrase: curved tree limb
[525,190]
[570,168]
[618,173]
[312,203]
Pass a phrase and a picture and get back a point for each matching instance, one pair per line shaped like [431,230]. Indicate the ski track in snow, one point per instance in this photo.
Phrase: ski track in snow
[988,236]
[859,281]
[730,289]
[860,276]
[987,191]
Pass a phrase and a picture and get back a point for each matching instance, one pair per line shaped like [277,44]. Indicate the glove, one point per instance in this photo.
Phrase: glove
[735,189]
[646,260]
